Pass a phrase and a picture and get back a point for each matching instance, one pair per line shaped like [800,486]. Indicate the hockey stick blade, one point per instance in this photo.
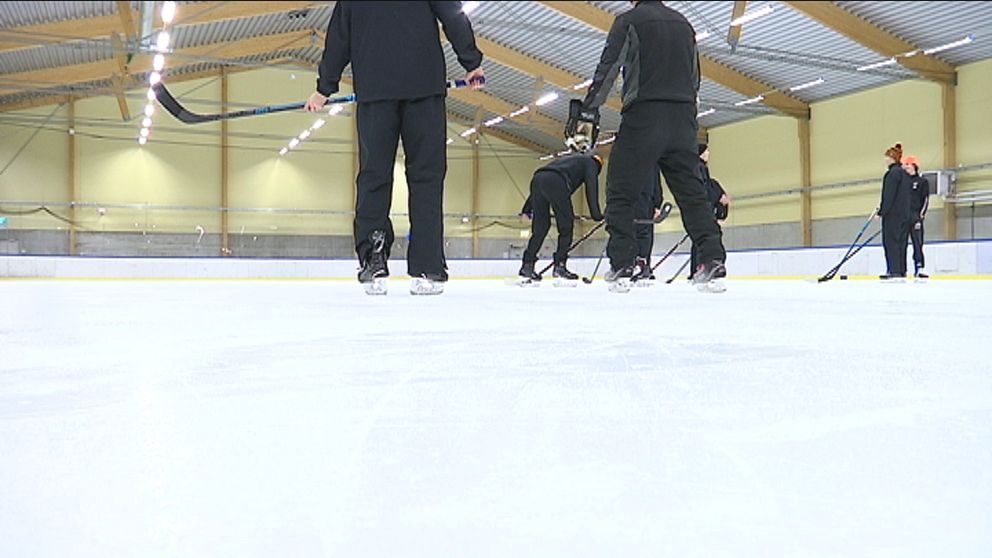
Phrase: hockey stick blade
[176,109]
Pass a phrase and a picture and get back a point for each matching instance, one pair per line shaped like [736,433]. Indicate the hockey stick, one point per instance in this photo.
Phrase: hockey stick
[575,244]
[851,255]
[670,252]
[833,271]
[666,209]
[588,280]
[679,272]
[175,108]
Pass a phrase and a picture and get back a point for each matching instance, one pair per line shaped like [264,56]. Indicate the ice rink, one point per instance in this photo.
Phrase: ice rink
[304,418]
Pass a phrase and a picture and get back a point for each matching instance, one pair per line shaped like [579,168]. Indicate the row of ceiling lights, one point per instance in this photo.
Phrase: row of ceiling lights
[158,65]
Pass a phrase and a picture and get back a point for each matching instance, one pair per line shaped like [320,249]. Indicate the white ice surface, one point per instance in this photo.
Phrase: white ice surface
[308,419]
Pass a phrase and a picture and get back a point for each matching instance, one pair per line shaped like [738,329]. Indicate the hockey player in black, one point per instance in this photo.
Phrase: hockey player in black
[655,47]
[551,189]
[400,88]
[919,197]
[717,196]
[649,205]
[894,210]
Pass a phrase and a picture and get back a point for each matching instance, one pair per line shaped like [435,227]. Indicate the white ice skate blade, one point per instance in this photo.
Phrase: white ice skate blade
[376,287]
[712,286]
[425,287]
[566,283]
[619,286]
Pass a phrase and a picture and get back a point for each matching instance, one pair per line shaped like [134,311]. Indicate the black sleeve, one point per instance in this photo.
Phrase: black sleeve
[337,50]
[926,197]
[592,189]
[528,208]
[609,65]
[458,30]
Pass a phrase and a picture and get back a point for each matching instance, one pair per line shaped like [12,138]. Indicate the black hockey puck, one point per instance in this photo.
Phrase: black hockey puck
[843,277]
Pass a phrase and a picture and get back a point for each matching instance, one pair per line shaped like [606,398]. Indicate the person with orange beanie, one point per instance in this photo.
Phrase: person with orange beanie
[894,210]
[919,203]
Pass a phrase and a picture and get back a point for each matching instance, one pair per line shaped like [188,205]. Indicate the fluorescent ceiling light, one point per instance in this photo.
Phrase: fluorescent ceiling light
[806,85]
[582,85]
[545,157]
[546,98]
[750,101]
[751,16]
[283,151]
[318,124]
[706,113]
[881,64]
[168,12]
[293,143]
[469,7]
[949,46]
[449,142]
[162,43]
[519,111]
[494,121]
[304,135]
[702,35]
[335,110]
[467,133]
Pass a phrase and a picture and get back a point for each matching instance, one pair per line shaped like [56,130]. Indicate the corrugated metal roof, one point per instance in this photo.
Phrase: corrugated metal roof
[931,24]
[29,13]
[782,49]
[185,36]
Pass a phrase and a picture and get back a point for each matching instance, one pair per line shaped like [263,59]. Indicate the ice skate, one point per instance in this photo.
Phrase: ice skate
[428,284]
[374,275]
[642,273]
[619,280]
[710,277]
[526,277]
[564,277]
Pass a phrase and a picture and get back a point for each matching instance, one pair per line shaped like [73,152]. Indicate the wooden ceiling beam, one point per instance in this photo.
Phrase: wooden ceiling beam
[873,37]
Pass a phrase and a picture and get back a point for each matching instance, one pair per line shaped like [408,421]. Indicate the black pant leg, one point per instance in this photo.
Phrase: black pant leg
[679,164]
[917,236]
[560,198]
[634,156]
[693,260]
[423,129]
[378,136]
[890,243]
[541,221]
[903,249]
[645,233]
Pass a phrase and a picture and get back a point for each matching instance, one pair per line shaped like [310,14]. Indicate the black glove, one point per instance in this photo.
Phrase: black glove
[582,127]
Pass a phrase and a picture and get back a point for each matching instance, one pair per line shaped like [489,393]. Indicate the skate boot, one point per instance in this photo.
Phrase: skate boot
[429,284]
[527,276]
[564,277]
[920,276]
[618,280]
[642,273]
[709,277]
[374,274]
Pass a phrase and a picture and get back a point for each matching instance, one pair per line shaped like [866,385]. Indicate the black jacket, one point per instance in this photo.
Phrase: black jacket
[919,196]
[394,48]
[577,169]
[714,191]
[895,193]
[656,47]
